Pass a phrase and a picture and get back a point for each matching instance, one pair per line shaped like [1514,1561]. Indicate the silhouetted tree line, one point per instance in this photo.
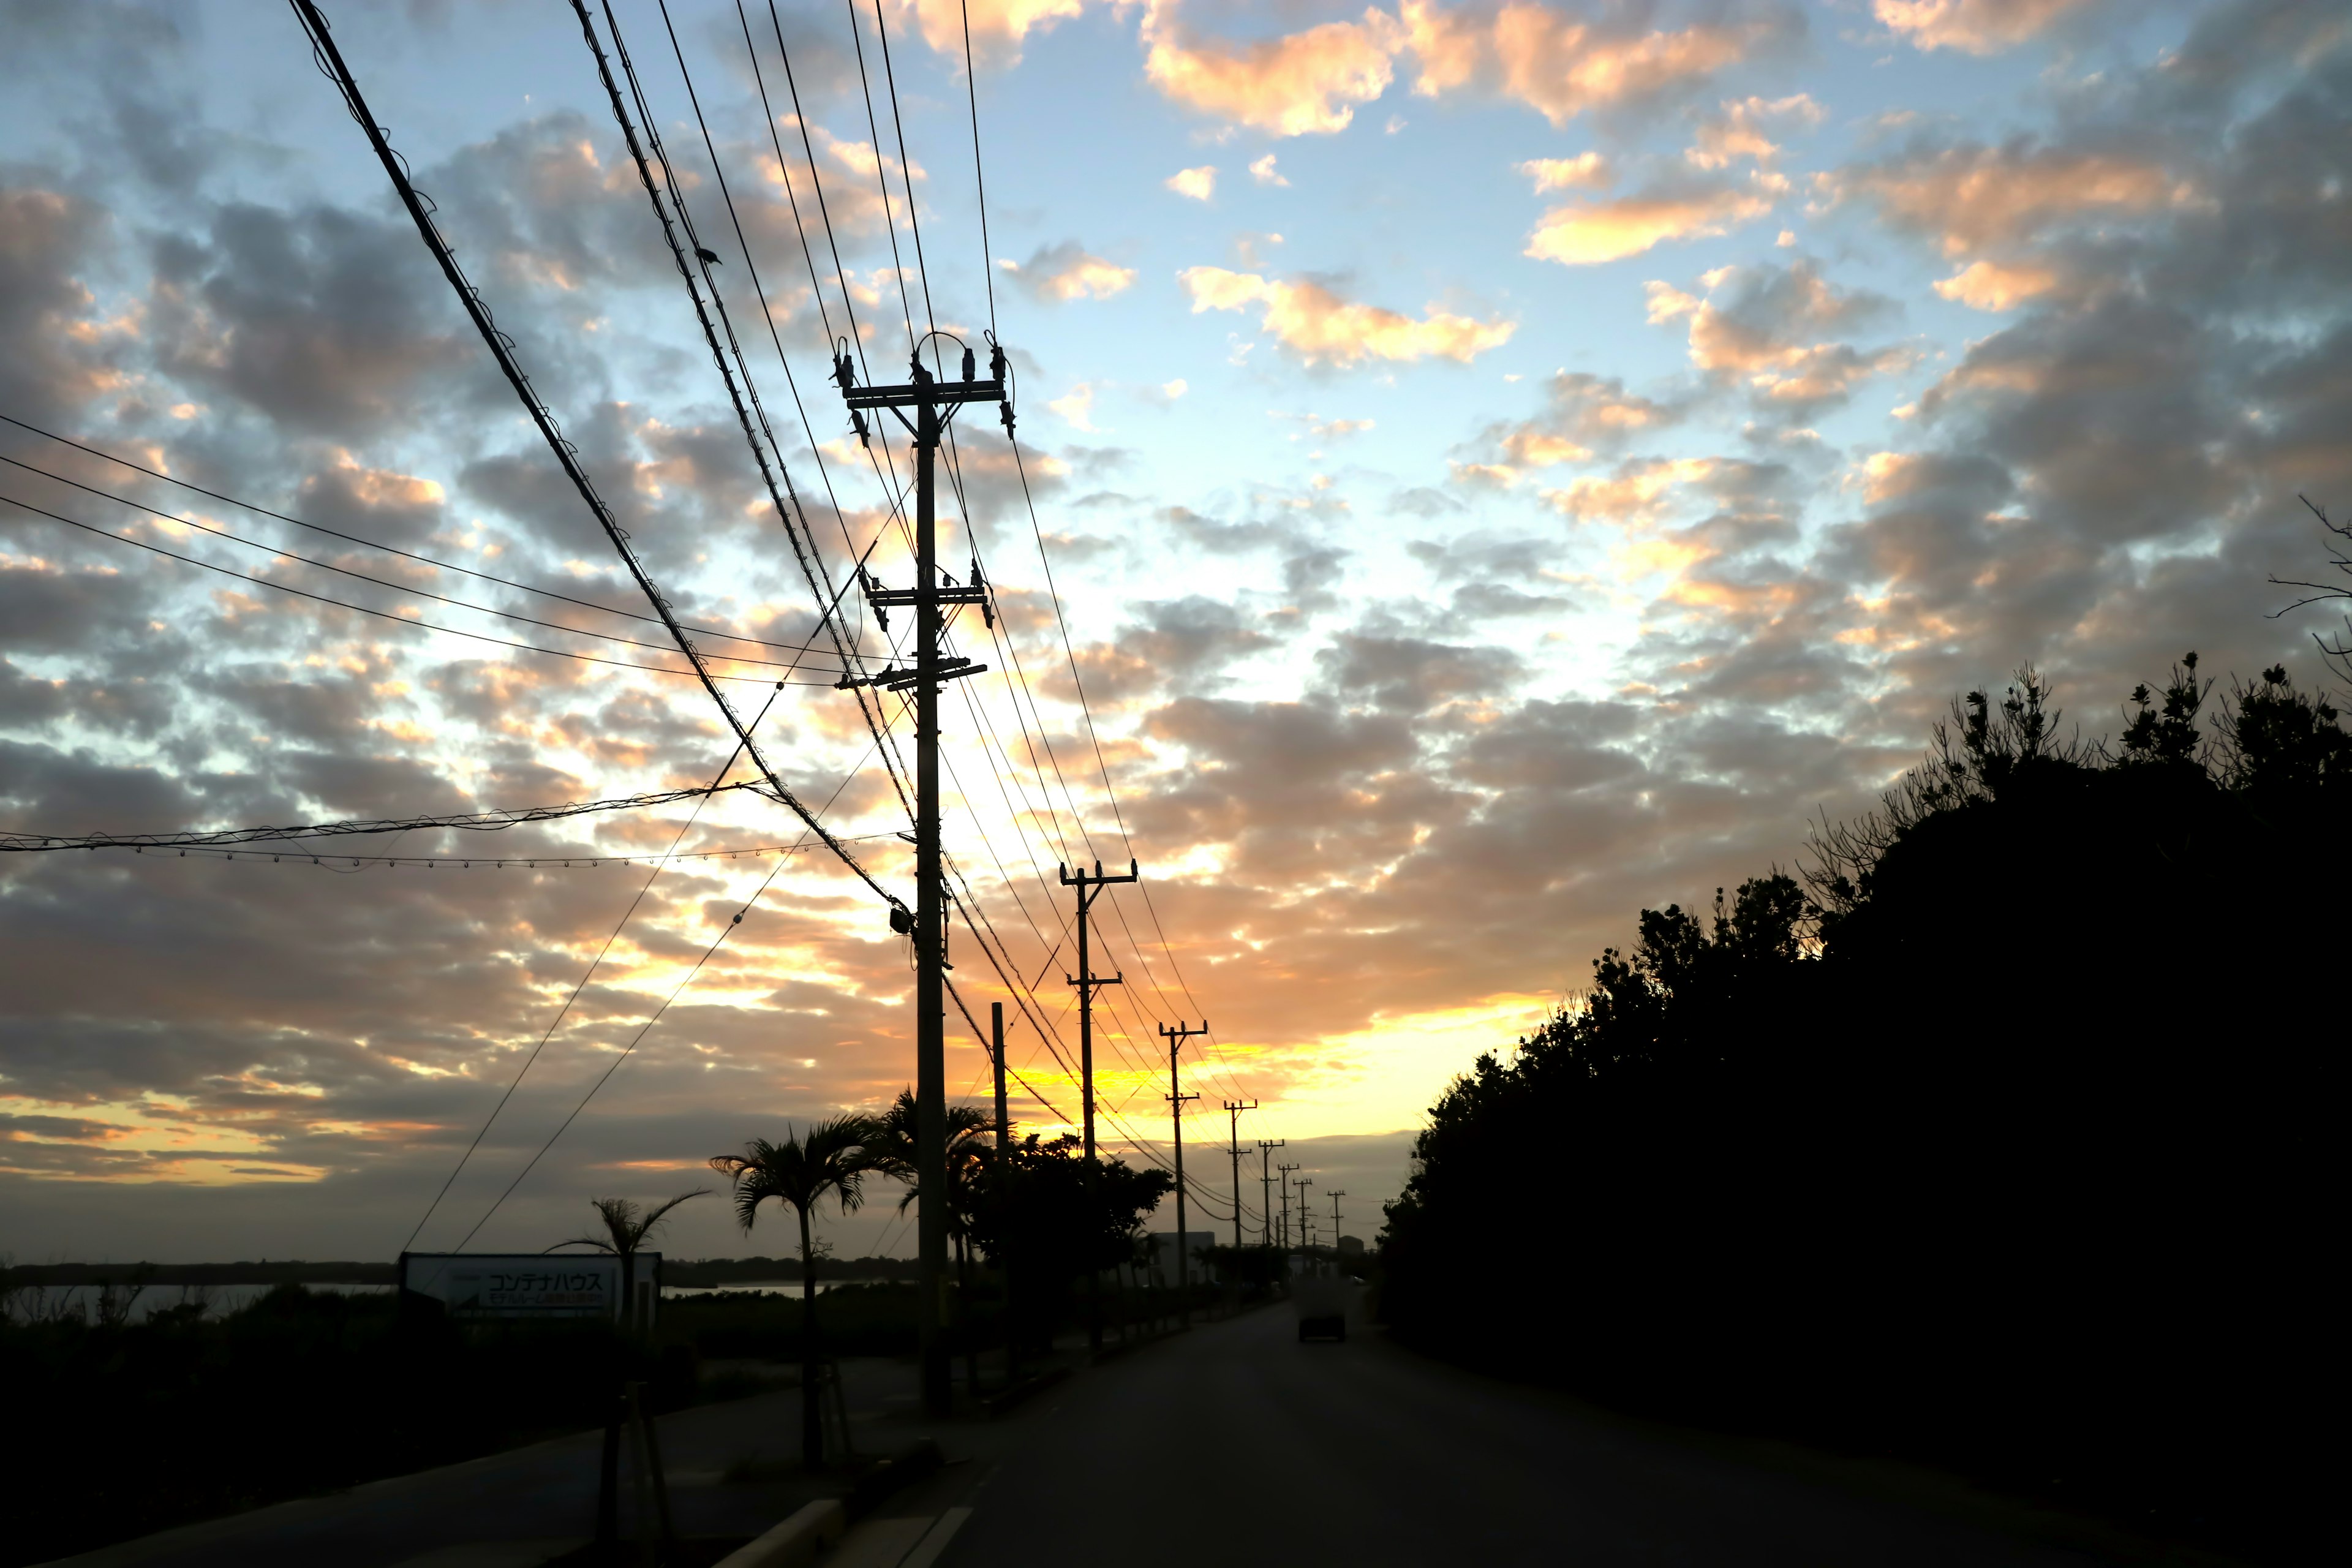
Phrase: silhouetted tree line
[1996,1139]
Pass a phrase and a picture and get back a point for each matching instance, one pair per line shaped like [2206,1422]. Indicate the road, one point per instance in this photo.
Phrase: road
[1236,1441]
[1233,1439]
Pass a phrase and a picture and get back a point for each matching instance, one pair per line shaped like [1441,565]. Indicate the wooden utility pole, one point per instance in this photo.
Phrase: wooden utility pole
[1089,890]
[1233,1109]
[1266,1188]
[934,403]
[1002,1173]
[1336,1194]
[1176,1038]
[1305,1218]
[1286,1170]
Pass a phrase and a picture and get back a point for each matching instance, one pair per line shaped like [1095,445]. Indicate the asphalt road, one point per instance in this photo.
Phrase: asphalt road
[1233,1441]
[1236,1442]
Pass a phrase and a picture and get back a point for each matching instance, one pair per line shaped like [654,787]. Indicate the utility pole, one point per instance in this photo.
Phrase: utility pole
[935,403]
[1002,1173]
[1086,980]
[1176,1038]
[1336,1194]
[1286,1170]
[1266,1187]
[1305,1218]
[1233,1109]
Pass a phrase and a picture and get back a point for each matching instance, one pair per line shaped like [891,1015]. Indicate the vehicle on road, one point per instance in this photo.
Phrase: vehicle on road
[1320,1303]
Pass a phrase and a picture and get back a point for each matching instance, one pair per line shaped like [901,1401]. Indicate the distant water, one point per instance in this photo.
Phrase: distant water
[218,1300]
[788,1286]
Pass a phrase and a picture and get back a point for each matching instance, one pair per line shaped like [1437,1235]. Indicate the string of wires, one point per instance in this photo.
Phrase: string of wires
[536,863]
[408,621]
[330,63]
[377,545]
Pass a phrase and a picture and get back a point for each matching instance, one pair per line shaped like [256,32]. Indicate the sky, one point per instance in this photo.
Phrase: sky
[1482,469]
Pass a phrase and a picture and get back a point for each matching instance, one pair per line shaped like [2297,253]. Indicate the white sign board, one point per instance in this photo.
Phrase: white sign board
[527,1284]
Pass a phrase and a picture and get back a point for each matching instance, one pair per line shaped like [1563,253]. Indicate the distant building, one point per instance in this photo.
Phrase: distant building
[1351,1247]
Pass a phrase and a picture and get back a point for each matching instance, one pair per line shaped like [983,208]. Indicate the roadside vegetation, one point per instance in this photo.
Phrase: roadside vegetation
[1995,1140]
[300,1393]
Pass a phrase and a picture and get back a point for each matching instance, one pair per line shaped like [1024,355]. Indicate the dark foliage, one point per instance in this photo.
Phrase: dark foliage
[297,1393]
[2002,1150]
[1034,1215]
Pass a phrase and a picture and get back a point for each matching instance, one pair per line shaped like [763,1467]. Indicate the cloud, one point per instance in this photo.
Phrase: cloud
[1264,172]
[1321,328]
[1562,64]
[1588,234]
[997,28]
[46,314]
[1297,84]
[1076,406]
[1739,130]
[1996,286]
[1975,27]
[1972,199]
[1066,272]
[1199,184]
[1584,417]
[1767,326]
[1586,171]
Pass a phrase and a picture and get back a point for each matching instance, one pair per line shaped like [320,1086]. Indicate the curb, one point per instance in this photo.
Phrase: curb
[795,1542]
[903,1469]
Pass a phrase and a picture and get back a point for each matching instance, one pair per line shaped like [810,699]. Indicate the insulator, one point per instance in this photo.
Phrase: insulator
[971,370]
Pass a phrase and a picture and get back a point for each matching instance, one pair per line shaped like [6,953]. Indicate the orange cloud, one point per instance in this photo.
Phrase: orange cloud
[1585,234]
[1294,85]
[998,26]
[1973,27]
[1633,494]
[1064,273]
[1586,171]
[1971,198]
[1738,130]
[1321,328]
[1559,65]
[1996,286]
[1770,335]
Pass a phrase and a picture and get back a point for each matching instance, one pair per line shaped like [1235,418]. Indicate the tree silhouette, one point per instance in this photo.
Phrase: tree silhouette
[831,1160]
[1998,1140]
[626,1228]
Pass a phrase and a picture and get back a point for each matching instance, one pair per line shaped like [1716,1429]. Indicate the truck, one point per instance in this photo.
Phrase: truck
[1320,1303]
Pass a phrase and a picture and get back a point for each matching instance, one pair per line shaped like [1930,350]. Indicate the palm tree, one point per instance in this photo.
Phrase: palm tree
[626,1228]
[972,1147]
[834,1157]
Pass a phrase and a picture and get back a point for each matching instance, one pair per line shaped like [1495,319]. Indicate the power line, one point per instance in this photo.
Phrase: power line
[873,129]
[372,544]
[471,821]
[345,865]
[383,583]
[811,564]
[979,179]
[330,62]
[564,1012]
[655,1017]
[386,614]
